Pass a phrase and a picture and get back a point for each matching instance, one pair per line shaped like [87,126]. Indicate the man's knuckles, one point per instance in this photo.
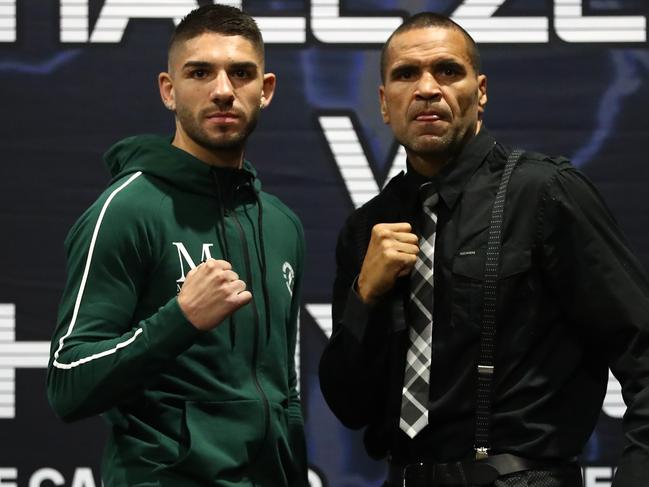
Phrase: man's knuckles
[237,299]
[392,227]
[410,259]
[386,245]
[393,254]
[379,233]
[385,230]
[215,265]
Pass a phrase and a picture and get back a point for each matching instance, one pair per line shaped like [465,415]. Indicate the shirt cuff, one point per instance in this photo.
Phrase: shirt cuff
[356,314]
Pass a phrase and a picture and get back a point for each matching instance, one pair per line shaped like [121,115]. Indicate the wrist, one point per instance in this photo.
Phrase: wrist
[362,292]
[186,310]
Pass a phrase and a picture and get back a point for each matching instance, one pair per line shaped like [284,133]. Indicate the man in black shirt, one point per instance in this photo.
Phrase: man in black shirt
[565,298]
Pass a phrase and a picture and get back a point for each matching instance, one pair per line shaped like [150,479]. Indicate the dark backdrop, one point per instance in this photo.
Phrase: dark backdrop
[68,94]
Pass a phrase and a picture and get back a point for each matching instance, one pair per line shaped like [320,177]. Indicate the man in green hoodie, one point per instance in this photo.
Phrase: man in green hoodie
[178,318]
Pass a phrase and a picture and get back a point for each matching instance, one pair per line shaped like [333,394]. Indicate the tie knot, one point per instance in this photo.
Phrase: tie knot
[428,195]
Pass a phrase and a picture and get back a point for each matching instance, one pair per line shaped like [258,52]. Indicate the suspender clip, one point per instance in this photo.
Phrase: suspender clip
[485,369]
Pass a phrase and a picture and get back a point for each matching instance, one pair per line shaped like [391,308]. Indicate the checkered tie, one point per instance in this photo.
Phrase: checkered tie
[414,401]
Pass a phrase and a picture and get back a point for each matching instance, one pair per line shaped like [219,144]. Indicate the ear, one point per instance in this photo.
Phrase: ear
[166,86]
[482,94]
[383,104]
[267,89]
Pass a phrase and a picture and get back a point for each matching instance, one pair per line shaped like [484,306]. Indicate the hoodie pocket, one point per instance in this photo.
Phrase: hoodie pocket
[281,463]
[220,439]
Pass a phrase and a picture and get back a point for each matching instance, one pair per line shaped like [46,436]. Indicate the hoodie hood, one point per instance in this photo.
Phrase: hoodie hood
[154,155]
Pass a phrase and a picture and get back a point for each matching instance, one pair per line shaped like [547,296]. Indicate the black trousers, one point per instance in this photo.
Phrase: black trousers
[564,477]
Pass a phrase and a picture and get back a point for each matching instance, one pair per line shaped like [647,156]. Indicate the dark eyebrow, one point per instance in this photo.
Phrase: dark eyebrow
[205,65]
[196,64]
[244,65]
[400,68]
[450,62]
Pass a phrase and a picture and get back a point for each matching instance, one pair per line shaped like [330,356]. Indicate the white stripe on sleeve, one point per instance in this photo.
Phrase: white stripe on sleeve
[84,278]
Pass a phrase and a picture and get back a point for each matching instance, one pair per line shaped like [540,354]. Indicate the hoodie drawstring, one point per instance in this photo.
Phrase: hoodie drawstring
[223,243]
[264,284]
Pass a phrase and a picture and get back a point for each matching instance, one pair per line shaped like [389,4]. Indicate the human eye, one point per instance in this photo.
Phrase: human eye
[243,71]
[241,74]
[198,73]
[450,70]
[405,73]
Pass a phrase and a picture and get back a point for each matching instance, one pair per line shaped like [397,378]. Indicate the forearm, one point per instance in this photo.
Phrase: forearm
[352,367]
[89,374]
[604,291]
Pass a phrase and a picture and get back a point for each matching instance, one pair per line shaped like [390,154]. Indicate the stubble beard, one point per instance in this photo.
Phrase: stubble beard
[223,142]
[436,147]
[444,147]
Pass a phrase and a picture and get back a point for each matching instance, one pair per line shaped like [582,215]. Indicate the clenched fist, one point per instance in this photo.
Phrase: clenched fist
[211,292]
[391,253]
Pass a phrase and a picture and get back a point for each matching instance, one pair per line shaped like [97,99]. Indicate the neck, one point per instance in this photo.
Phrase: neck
[425,164]
[224,157]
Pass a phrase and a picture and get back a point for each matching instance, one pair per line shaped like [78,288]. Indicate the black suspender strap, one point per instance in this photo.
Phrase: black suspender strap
[488,328]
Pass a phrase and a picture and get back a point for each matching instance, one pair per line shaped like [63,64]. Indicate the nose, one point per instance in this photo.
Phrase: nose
[428,87]
[222,89]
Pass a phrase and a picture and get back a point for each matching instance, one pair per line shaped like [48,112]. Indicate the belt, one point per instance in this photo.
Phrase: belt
[468,473]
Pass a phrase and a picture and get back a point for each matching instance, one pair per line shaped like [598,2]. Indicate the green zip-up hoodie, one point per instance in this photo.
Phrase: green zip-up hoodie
[186,408]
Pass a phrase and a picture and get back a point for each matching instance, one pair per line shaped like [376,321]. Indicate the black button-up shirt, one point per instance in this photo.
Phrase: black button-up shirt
[572,301]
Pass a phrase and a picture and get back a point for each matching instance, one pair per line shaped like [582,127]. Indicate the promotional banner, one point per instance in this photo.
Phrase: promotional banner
[567,77]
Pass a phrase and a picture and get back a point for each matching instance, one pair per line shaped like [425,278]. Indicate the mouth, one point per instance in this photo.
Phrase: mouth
[222,117]
[431,115]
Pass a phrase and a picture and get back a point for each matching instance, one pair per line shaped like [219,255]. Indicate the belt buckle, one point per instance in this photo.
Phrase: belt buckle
[415,474]
[481,452]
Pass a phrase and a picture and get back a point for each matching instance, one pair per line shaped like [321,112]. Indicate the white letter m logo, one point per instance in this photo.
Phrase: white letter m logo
[185,259]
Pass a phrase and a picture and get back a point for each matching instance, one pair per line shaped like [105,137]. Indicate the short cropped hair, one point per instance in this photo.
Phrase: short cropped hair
[220,19]
[429,19]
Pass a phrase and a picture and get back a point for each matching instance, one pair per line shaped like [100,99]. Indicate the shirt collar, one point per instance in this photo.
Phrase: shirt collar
[452,179]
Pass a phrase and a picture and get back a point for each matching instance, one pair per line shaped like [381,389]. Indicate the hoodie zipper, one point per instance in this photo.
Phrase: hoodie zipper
[255,313]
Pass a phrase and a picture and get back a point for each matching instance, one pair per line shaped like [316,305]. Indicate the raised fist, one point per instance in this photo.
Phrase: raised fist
[391,253]
[211,292]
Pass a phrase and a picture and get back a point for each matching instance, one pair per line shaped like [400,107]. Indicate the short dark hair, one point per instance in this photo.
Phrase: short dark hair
[220,19]
[430,19]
